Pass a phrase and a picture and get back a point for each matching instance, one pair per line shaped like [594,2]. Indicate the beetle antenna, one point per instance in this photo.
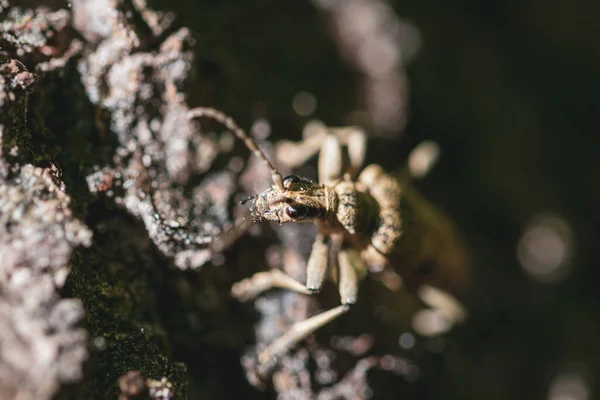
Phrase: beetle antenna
[242,135]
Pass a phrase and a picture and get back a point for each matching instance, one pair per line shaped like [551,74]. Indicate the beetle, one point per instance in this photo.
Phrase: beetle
[367,221]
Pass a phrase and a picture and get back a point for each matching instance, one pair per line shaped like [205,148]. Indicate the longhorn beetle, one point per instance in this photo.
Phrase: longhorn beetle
[367,221]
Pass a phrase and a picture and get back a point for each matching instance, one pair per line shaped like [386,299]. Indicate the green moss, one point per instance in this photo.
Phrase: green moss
[116,280]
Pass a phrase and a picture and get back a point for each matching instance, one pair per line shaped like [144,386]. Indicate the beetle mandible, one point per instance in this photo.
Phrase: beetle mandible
[367,220]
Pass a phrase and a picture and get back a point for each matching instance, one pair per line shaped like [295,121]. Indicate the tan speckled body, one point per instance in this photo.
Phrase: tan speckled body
[366,223]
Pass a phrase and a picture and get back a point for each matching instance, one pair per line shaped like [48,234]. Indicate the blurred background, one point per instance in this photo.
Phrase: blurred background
[508,91]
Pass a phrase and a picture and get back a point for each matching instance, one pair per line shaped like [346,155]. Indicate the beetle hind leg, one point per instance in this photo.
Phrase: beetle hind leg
[299,331]
[443,311]
[443,302]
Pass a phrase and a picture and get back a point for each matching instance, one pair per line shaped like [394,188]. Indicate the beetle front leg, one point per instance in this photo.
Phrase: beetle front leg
[249,288]
[317,264]
[316,269]
[352,270]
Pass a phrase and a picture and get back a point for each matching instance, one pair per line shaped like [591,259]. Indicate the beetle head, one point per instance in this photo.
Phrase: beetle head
[301,201]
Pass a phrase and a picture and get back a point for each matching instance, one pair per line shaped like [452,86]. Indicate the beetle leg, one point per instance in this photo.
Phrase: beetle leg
[295,154]
[387,192]
[334,250]
[445,311]
[317,264]
[352,271]
[443,302]
[356,140]
[330,160]
[249,288]
[375,260]
[299,331]
[262,281]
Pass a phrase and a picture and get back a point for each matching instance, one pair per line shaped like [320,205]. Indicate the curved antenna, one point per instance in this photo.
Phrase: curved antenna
[240,133]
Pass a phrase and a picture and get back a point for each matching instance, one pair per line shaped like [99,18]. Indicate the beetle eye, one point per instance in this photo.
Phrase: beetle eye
[290,180]
[297,211]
